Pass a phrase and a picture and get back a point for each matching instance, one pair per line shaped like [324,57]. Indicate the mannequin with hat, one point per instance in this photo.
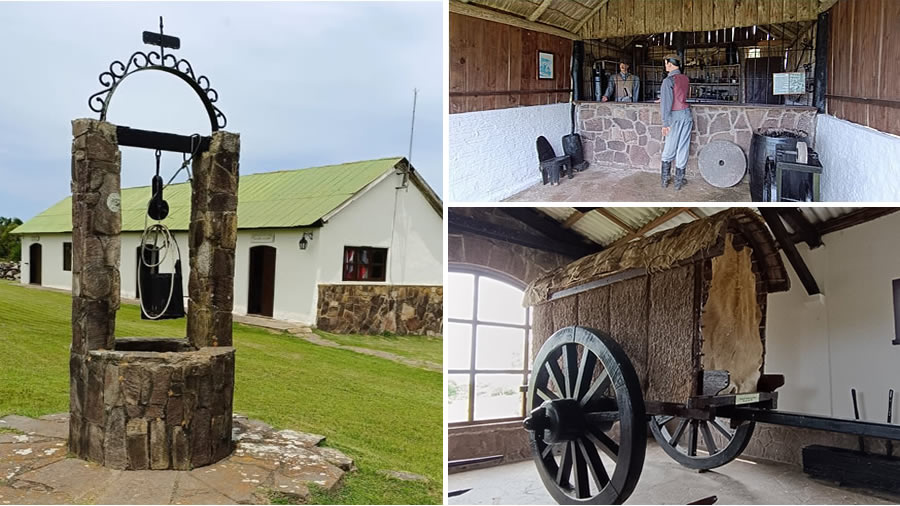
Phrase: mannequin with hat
[677,121]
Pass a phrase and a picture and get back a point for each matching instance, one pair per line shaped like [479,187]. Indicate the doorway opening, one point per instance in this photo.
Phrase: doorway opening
[34,270]
[261,293]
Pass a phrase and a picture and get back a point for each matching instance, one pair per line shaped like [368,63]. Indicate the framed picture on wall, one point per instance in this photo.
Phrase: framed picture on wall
[545,65]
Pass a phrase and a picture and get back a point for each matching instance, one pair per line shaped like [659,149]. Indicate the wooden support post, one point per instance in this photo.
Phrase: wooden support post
[790,250]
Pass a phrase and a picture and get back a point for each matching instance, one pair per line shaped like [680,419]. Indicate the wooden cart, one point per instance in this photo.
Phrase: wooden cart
[669,329]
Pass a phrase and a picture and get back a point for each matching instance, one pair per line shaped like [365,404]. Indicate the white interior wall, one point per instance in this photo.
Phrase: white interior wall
[827,345]
[493,154]
[861,164]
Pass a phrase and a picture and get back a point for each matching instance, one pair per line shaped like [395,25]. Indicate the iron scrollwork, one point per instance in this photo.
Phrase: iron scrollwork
[153,60]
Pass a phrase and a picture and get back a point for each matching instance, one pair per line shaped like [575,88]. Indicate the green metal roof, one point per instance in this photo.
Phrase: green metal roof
[283,199]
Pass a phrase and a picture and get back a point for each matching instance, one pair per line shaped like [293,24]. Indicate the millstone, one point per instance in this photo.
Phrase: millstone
[722,164]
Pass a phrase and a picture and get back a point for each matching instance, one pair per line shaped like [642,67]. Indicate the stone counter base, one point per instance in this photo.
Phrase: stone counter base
[630,136]
[168,409]
[374,309]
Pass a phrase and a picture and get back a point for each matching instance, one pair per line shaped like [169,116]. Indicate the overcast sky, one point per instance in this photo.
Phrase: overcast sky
[305,84]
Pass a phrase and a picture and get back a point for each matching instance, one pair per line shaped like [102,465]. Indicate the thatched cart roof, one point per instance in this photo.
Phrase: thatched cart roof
[699,239]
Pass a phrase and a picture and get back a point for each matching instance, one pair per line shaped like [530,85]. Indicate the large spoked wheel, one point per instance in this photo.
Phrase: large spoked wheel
[588,423]
[701,444]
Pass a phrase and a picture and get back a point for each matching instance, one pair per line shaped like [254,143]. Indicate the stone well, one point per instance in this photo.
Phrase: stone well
[151,403]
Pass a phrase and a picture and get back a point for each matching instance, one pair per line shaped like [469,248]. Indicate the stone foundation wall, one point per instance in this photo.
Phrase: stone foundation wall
[151,410]
[629,136]
[374,309]
[509,439]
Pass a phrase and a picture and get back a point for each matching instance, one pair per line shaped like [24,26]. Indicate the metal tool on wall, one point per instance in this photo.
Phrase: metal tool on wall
[862,442]
[890,444]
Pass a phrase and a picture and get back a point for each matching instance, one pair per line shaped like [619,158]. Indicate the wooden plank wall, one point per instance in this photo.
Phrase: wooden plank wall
[501,60]
[863,52]
[620,18]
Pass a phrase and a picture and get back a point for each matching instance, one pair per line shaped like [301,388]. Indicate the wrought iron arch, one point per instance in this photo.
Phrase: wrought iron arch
[157,60]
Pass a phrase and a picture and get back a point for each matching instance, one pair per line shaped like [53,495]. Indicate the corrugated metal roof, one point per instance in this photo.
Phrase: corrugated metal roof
[283,199]
[605,232]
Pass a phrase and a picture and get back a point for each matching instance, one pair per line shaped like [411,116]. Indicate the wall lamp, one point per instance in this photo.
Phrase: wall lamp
[304,240]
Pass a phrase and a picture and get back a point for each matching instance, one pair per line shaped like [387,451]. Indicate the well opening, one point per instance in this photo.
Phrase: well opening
[154,344]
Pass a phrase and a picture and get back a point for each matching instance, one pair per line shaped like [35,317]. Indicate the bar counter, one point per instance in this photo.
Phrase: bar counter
[629,136]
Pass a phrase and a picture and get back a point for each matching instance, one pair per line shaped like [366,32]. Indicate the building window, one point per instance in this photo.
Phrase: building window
[489,341]
[67,256]
[364,264]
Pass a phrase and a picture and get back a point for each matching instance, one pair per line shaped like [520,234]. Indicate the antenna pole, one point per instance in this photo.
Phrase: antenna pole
[412,128]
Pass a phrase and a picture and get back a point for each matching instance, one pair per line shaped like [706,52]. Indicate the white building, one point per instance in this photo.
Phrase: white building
[362,224]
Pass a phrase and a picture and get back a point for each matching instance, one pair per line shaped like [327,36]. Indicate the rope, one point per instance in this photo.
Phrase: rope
[159,230]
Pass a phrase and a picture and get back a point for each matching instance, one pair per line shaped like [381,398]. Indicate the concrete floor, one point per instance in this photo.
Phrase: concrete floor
[663,481]
[600,184]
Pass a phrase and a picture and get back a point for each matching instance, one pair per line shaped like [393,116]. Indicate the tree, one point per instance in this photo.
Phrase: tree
[10,247]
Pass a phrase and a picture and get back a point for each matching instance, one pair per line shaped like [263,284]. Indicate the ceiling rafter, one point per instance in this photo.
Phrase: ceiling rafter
[539,11]
[668,215]
[585,19]
[773,219]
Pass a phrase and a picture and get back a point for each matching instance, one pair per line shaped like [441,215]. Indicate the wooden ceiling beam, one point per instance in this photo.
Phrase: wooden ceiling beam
[668,215]
[615,219]
[459,224]
[573,219]
[803,230]
[593,13]
[551,228]
[540,10]
[853,218]
[467,9]
[773,219]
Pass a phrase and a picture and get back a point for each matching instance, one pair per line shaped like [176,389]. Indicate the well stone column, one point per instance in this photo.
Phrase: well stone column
[212,239]
[96,223]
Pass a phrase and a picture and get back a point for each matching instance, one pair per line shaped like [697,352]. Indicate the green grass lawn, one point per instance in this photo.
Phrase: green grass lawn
[423,348]
[384,415]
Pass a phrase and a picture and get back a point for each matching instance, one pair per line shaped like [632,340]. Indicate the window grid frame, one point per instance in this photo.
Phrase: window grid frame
[474,322]
[357,250]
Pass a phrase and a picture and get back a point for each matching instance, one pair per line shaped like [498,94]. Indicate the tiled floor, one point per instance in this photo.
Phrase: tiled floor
[599,184]
[663,481]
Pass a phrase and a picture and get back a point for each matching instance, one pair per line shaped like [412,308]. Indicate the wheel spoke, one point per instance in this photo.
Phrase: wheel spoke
[692,439]
[582,485]
[598,387]
[708,438]
[570,354]
[722,430]
[676,437]
[604,442]
[545,394]
[556,375]
[585,372]
[548,449]
[598,470]
[565,467]
[662,420]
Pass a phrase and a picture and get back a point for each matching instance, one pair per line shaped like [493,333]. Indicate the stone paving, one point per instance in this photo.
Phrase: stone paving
[34,469]
[605,184]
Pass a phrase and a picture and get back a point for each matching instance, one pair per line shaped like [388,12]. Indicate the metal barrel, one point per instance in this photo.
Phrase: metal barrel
[765,142]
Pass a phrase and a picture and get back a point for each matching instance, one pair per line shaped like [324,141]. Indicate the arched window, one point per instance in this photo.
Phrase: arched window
[488,338]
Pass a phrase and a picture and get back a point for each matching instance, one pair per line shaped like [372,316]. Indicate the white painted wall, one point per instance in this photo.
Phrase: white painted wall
[493,154]
[861,164]
[414,255]
[827,345]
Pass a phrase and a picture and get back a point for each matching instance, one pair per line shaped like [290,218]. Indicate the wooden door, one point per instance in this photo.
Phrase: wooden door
[261,285]
[34,259]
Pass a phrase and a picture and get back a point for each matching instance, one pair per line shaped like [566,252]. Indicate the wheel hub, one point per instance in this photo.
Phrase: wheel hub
[557,421]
